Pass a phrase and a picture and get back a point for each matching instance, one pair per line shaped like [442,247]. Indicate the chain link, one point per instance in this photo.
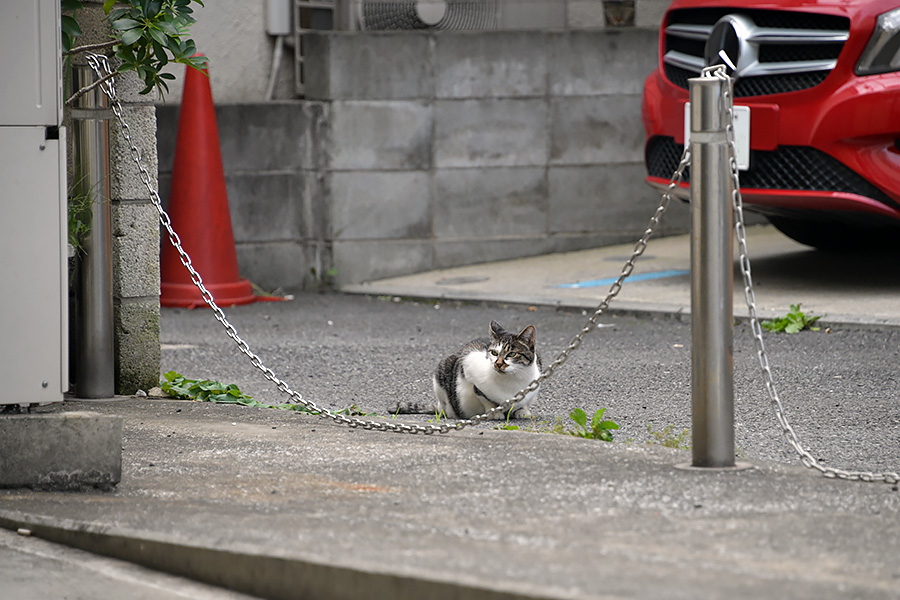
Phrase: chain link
[741,233]
[100,65]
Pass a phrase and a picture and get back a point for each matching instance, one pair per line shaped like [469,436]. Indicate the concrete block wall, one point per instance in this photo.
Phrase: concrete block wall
[456,148]
[232,34]
[423,150]
[269,154]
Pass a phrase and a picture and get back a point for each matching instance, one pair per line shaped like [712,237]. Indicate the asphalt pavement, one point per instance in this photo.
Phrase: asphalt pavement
[279,504]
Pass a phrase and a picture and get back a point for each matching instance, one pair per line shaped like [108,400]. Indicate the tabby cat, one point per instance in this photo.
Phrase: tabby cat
[483,374]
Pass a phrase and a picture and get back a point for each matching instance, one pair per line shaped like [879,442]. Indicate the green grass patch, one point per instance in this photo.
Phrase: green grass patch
[793,322]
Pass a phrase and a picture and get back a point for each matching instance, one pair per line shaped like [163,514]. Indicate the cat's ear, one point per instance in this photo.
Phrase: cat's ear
[528,336]
[496,330]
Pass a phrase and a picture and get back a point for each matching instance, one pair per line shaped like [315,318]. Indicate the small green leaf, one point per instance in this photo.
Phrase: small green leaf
[578,415]
[125,24]
[108,5]
[160,54]
[167,27]
[131,36]
[70,26]
[158,36]
[119,13]
[190,49]
[595,420]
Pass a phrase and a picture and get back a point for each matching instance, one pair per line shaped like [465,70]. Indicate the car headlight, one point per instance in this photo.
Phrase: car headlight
[882,54]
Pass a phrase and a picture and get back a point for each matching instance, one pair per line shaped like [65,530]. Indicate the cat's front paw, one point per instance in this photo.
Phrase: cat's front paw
[521,413]
[497,415]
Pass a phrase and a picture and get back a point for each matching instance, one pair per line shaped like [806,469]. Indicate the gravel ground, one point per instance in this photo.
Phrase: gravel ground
[839,387]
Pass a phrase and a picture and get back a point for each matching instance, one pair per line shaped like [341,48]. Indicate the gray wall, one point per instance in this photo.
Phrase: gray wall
[232,33]
[416,151]
[274,188]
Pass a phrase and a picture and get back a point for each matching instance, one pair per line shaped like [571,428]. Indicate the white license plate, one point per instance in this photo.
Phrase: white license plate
[741,133]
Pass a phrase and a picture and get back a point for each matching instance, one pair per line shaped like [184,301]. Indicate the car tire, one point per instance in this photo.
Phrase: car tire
[834,235]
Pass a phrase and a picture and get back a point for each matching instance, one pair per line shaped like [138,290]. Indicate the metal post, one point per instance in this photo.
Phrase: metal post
[94,360]
[712,278]
[343,19]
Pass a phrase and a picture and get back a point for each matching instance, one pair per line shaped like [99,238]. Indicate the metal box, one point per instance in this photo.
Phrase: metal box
[33,220]
[31,65]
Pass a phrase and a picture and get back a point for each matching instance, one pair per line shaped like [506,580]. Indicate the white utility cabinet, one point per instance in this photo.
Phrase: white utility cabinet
[33,221]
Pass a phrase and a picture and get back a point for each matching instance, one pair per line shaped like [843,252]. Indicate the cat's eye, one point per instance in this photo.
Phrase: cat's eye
[513,355]
[495,352]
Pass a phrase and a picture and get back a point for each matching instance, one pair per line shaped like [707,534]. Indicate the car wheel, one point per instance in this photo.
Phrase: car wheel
[833,235]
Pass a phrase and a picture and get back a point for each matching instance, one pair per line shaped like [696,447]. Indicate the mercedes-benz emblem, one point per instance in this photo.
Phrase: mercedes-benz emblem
[729,35]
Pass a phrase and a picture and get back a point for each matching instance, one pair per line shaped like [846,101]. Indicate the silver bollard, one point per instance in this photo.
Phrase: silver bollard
[712,278]
[95,359]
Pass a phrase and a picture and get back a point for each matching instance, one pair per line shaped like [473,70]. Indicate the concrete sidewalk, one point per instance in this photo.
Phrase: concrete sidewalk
[844,288]
[281,506]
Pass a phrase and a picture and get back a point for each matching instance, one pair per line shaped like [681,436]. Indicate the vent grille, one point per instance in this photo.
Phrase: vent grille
[785,168]
[756,86]
[461,15]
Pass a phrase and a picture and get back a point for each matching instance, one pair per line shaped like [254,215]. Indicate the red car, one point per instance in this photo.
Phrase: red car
[821,79]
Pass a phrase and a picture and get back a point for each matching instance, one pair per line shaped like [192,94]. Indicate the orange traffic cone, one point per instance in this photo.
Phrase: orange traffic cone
[198,208]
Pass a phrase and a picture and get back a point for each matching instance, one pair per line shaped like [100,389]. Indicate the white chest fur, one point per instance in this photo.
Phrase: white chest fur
[479,370]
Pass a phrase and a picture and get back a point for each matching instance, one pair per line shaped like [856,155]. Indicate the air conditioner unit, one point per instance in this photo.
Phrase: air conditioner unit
[458,15]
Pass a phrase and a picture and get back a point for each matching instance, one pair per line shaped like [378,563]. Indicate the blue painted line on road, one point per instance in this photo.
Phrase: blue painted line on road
[612,280]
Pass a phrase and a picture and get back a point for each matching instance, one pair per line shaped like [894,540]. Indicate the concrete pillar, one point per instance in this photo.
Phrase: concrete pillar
[135,241]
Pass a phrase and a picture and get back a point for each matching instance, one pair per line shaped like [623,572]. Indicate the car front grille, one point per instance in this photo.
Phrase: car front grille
[756,86]
[782,51]
[785,168]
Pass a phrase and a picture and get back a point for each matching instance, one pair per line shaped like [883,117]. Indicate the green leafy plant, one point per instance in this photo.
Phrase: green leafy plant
[147,36]
[205,390]
[351,411]
[439,415]
[354,411]
[667,438]
[792,322]
[79,217]
[507,427]
[597,429]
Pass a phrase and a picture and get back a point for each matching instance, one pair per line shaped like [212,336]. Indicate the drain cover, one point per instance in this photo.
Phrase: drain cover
[461,280]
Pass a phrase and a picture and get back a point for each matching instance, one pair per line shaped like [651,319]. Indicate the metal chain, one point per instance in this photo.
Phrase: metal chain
[100,65]
[741,233]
